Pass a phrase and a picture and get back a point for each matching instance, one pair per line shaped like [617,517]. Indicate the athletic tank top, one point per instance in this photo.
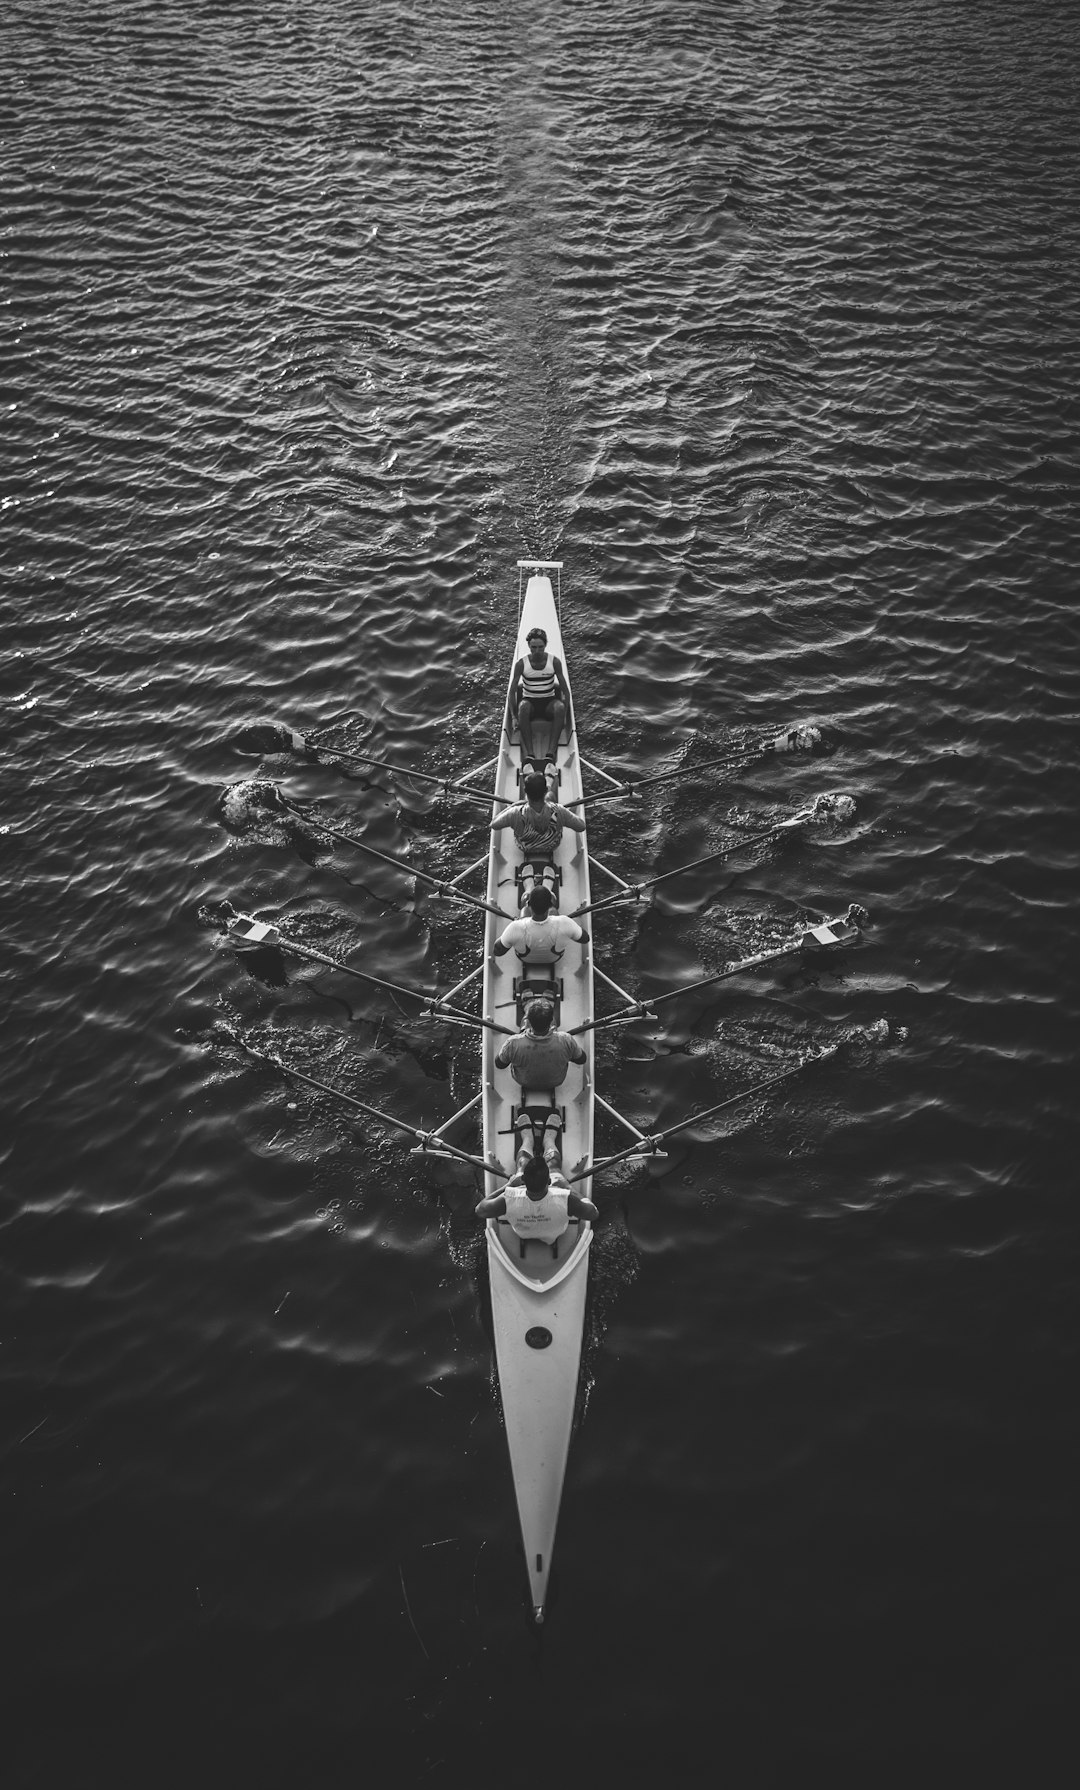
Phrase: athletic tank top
[545,1219]
[536,831]
[538,685]
[541,941]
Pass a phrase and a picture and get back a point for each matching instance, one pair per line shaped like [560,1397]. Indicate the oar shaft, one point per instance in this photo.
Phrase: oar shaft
[770,1081]
[733,969]
[434,1003]
[631,788]
[463,1017]
[726,852]
[435,882]
[653,1139]
[371,1112]
[642,1009]
[311,1081]
[381,764]
[633,891]
[284,943]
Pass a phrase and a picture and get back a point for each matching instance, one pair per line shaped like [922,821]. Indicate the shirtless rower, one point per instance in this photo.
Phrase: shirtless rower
[539,692]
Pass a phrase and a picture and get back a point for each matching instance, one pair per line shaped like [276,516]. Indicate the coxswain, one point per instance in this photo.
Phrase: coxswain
[539,692]
[538,1202]
[540,936]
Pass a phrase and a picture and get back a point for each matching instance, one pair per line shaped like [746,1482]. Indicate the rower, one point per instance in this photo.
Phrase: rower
[540,937]
[537,1056]
[538,692]
[538,1202]
[538,828]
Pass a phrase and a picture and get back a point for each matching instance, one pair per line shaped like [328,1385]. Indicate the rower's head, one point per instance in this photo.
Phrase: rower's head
[540,900]
[538,1017]
[536,786]
[537,1177]
[536,640]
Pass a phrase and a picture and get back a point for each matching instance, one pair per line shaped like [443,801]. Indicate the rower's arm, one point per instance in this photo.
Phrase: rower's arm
[556,666]
[506,819]
[515,688]
[578,1207]
[576,822]
[493,1207]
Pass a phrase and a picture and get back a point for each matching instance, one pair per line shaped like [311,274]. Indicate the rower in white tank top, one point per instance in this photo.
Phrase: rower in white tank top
[538,1203]
[540,936]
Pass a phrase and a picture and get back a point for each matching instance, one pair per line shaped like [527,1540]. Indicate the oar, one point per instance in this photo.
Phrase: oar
[251,934]
[371,1112]
[827,932]
[634,891]
[789,741]
[446,784]
[652,1140]
[441,888]
[450,786]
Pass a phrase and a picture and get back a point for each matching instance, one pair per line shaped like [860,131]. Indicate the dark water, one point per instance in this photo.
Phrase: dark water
[764,318]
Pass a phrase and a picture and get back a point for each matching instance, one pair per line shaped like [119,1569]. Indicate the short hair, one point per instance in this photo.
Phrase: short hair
[536,634]
[536,784]
[536,1173]
[540,1015]
[540,896]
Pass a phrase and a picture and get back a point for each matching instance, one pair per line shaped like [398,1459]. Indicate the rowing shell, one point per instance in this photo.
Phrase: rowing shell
[537,1290]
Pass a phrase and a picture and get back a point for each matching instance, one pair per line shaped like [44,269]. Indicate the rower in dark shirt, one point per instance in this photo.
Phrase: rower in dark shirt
[537,1056]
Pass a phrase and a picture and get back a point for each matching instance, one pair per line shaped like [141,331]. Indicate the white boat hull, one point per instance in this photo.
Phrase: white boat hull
[538,1297]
